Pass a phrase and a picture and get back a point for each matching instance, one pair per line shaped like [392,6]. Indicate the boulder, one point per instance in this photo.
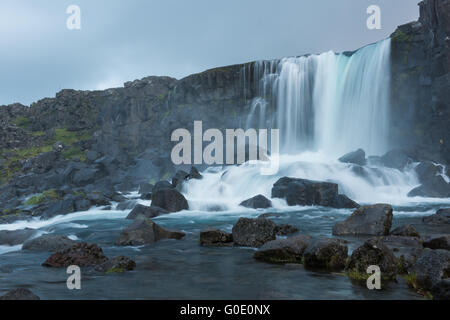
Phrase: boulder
[126,205]
[441,290]
[253,232]
[162,185]
[145,231]
[61,207]
[329,254]
[396,159]
[257,202]
[142,212]
[80,254]
[435,187]
[48,242]
[82,205]
[372,253]
[283,251]
[194,174]
[367,220]
[441,217]
[19,294]
[431,267]
[117,265]
[145,188]
[170,200]
[356,157]
[86,176]
[442,242]
[406,231]
[285,229]
[427,170]
[343,202]
[215,238]
[15,237]
[179,178]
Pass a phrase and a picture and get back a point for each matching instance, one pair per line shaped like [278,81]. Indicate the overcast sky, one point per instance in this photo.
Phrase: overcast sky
[126,40]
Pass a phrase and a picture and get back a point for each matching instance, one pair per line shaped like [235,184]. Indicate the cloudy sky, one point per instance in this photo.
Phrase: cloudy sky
[126,40]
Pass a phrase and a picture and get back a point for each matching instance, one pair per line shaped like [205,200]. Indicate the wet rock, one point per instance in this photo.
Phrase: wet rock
[257,202]
[435,187]
[194,174]
[80,254]
[285,229]
[427,170]
[82,205]
[431,267]
[86,176]
[19,294]
[356,157]
[442,217]
[397,159]
[372,253]
[215,238]
[170,200]
[179,178]
[118,264]
[126,205]
[367,220]
[253,232]
[162,185]
[407,261]
[406,231]
[441,290]
[145,231]
[401,241]
[442,242]
[61,207]
[283,251]
[330,254]
[145,188]
[48,242]
[343,202]
[142,212]
[15,237]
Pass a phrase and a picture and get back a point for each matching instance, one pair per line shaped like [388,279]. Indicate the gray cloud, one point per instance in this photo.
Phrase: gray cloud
[126,40]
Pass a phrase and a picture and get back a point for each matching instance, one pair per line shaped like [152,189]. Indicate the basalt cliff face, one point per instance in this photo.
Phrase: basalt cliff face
[122,137]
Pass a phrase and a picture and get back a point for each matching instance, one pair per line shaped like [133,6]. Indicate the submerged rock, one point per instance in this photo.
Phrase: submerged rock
[170,200]
[19,294]
[15,237]
[48,242]
[283,251]
[80,254]
[117,265]
[145,231]
[142,212]
[367,220]
[330,254]
[253,232]
[257,202]
[215,238]
[406,231]
[441,217]
[356,157]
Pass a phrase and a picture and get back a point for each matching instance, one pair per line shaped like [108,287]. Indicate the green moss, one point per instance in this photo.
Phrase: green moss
[22,122]
[115,270]
[51,195]
[161,97]
[411,280]
[38,133]
[74,152]
[401,37]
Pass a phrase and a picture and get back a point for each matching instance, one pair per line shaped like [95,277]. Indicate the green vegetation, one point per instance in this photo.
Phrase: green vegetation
[411,279]
[50,195]
[74,152]
[161,97]
[23,122]
[115,270]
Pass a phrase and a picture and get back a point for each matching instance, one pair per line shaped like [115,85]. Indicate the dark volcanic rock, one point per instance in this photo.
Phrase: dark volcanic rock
[142,212]
[330,254]
[126,205]
[367,220]
[145,231]
[117,265]
[58,208]
[427,170]
[194,174]
[441,290]
[179,178]
[215,238]
[431,267]
[283,251]
[435,187]
[80,254]
[253,232]
[257,202]
[372,253]
[145,188]
[396,159]
[356,157]
[285,229]
[48,242]
[406,231]
[162,185]
[170,200]
[441,217]
[305,192]
[19,294]
[442,242]
[15,237]
[343,202]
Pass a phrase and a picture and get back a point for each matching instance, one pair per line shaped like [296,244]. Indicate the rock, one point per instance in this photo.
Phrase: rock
[170,200]
[285,229]
[15,237]
[406,231]
[48,242]
[372,253]
[145,188]
[80,254]
[142,212]
[145,231]
[283,251]
[396,159]
[427,170]
[441,290]
[194,174]
[441,217]
[330,254]
[86,176]
[438,243]
[257,202]
[19,294]
[162,185]
[61,207]
[215,238]
[126,205]
[431,267]
[356,157]
[367,220]
[343,202]
[117,265]
[82,205]
[435,187]
[179,178]
[401,242]
[253,232]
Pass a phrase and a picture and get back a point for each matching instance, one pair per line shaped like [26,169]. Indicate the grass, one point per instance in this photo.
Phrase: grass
[51,195]
[115,270]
